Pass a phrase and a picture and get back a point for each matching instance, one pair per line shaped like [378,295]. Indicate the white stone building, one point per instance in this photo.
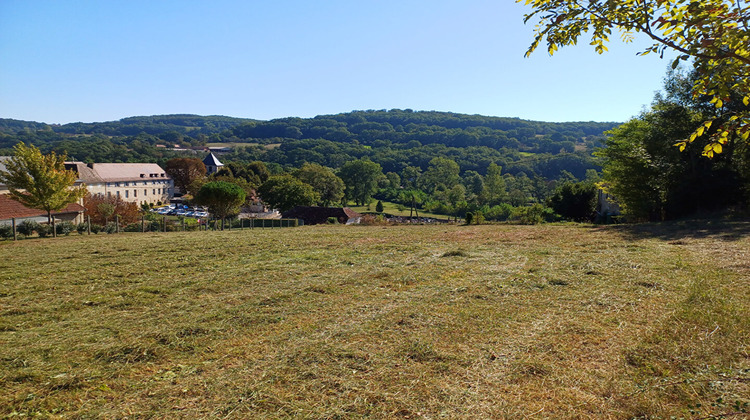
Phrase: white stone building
[133,182]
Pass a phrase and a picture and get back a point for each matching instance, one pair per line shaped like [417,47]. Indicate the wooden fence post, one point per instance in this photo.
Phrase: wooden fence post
[164,223]
[88,224]
[117,223]
[54,228]
[15,235]
[143,224]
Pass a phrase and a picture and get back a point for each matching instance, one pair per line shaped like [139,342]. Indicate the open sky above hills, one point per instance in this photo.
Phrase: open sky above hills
[99,61]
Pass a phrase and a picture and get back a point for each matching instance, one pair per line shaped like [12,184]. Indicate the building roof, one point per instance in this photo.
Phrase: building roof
[212,160]
[115,172]
[10,208]
[86,174]
[313,215]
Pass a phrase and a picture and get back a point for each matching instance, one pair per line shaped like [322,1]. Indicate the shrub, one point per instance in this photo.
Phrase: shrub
[44,231]
[332,221]
[81,228]
[95,229]
[27,227]
[64,228]
[531,215]
[133,227]
[6,231]
[110,228]
[379,207]
[475,218]
[500,212]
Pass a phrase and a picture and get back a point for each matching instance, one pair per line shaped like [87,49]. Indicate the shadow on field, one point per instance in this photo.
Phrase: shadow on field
[726,230]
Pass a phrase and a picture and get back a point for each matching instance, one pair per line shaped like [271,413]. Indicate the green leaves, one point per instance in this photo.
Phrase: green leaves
[222,198]
[40,181]
[713,33]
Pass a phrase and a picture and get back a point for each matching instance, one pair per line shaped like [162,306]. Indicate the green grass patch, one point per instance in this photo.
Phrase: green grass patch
[396,210]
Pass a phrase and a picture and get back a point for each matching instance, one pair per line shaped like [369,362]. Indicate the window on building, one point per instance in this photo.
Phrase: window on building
[118,193]
[154,191]
[126,193]
[135,193]
[145,192]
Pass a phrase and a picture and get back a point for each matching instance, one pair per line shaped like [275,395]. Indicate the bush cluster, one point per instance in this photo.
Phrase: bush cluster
[6,231]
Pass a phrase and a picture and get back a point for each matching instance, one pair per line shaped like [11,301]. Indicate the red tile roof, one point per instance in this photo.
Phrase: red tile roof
[10,208]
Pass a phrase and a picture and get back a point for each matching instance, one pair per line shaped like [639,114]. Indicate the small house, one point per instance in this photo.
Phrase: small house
[212,164]
[11,209]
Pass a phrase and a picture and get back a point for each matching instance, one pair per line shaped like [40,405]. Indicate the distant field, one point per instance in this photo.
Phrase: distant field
[233,145]
[392,208]
[378,322]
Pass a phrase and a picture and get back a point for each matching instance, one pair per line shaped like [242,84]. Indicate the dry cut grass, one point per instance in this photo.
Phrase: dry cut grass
[378,322]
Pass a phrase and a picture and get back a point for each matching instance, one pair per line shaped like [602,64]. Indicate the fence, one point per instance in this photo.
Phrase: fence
[153,224]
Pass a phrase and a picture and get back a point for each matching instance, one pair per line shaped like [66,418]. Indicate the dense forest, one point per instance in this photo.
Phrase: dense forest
[395,139]
[443,162]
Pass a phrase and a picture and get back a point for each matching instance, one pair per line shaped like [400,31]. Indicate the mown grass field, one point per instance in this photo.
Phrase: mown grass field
[379,322]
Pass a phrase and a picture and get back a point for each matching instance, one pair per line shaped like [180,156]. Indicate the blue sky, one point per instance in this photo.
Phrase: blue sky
[67,61]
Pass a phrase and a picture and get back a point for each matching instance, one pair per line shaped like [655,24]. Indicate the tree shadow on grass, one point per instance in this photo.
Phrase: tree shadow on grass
[726,230]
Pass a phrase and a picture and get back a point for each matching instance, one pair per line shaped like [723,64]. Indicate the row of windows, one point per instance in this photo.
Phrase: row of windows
[127,184]
[135,192]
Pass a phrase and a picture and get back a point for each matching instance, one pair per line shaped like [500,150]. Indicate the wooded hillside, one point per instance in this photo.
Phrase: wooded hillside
[395,139]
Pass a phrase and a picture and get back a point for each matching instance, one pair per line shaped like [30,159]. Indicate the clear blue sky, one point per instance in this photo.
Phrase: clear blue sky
[102,60]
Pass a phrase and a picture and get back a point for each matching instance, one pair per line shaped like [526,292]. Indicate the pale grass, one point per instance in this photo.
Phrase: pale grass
[376,322]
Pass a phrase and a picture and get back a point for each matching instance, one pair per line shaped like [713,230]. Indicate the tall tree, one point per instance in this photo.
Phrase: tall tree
[441,172]
[40,181]
[185,171]
[223,199]
[652,180]
[361,179]
[410,176]
[329,187]
[714,34]
[284,192]
[574,200]
[494,185]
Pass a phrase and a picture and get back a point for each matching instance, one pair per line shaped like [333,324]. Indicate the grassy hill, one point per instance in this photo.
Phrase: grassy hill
[378,322]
